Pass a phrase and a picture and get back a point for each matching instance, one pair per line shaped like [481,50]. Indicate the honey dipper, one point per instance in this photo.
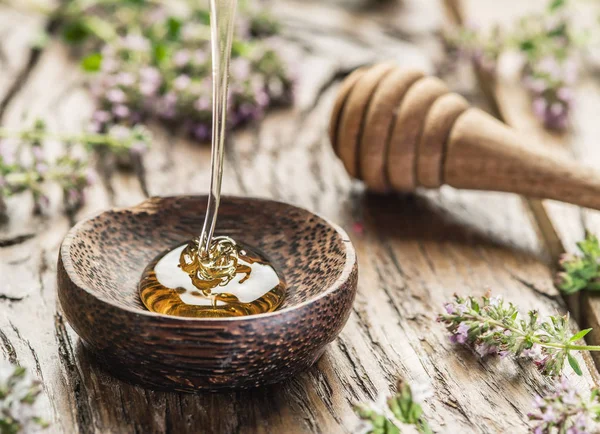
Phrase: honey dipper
[397,129]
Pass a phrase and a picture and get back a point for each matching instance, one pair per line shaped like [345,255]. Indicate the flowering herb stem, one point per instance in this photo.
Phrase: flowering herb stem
[492,326]
[19,403]
[399,411]
[564,409]
[25,167]
[548,43]
[581,272]
[93,139]
[533,339]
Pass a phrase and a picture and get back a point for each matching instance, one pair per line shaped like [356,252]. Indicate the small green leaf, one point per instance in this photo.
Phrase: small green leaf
[556,4]
[574,364]
[581,272]
[159,51]
[76,32]
[580,335]
[92,62]
[203,16]
[527,45]
[173,27]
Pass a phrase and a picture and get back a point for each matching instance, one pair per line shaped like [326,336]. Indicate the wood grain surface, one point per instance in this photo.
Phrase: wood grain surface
[414,253]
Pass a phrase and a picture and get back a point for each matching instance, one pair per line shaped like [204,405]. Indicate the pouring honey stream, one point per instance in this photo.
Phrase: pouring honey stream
[213,276]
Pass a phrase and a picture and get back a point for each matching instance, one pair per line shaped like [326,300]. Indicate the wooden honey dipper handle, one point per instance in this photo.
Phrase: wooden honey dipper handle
[397,129]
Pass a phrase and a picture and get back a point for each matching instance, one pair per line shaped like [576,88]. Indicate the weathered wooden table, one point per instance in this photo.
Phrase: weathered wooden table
[415,252]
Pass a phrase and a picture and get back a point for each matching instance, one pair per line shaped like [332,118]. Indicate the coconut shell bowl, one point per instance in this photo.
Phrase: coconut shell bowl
[101,261]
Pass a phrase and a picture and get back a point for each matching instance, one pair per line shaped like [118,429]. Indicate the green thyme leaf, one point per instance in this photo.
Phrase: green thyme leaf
[92,62]
[581,272]
[580,335]
[76,32]
[574,364]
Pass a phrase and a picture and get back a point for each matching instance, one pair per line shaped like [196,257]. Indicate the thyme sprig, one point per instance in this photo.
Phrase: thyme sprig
[566,410]
[151,60]
[493,327]
[19,394]
[403,408]
[549,43]
[581,272]
[26,167]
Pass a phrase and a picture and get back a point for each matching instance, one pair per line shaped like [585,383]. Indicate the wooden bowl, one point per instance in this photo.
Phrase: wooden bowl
[101,261]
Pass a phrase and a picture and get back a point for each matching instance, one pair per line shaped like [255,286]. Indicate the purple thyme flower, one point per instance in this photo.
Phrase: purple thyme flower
[462,333]
[182,82]
[489,325]
[201,132]
[101,116]
[200,57]
[534,353]
[116,96]
[119,132]
[135,42]
[450,308]
[182,57]
[121,111]
[486,349]
[565,94]
[566,409]
[202,104]
[125,78]
[138,148]
[150,74]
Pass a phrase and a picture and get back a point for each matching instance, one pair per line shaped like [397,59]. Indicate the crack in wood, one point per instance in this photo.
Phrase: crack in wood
[81,402]
[383,358]
[140,172]
[13,241]
[35,54]
[531,286]
[296,392]
[325,393]
[449,398]
[11,298]
[105,170]
[365,384]
[9,349]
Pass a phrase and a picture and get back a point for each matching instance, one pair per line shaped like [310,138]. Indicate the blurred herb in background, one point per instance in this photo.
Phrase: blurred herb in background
[566,410]
[146,60]
[549,43]
[151,59]
[26,166]
[402,409]
[19,394]
[581,272]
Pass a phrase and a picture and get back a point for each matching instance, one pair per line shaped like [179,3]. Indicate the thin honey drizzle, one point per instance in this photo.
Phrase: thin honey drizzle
[213,262]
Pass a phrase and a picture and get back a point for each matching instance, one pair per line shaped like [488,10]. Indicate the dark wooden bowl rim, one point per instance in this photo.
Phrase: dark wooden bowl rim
[350,255]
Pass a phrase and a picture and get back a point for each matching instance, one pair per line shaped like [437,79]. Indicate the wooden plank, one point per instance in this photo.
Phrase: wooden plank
[414,253]
[22,36]
[34,326]
[568,222]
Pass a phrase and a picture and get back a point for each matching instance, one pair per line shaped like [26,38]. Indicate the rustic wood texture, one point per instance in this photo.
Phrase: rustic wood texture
[563,224]
[414,253]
